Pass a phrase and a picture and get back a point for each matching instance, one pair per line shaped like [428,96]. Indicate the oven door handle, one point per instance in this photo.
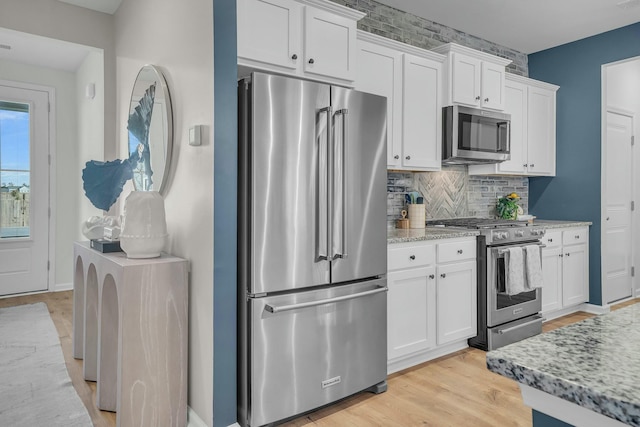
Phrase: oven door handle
[513,328]
[504,251]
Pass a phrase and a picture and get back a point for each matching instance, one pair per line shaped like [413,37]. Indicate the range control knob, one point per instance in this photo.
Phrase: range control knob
[519,233]
[501,235]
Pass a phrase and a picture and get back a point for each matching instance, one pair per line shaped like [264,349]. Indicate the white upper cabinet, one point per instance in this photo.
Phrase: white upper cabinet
[315,39]
[473,78]
[532,106]
[411,79]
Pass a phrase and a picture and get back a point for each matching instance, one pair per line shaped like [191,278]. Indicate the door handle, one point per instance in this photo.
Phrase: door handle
[345,231]
[280,308]
[325,205]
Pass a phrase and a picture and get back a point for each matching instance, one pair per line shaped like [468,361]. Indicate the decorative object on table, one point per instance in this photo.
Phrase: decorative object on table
[507,206]
[144,227]
[93,228]
[150,128]
[105,246]
[404,221]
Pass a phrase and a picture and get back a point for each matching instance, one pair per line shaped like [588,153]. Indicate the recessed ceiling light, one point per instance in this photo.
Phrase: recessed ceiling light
[5,46]
[628,4]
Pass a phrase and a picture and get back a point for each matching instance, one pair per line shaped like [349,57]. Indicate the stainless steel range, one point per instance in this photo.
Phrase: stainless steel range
[502,318]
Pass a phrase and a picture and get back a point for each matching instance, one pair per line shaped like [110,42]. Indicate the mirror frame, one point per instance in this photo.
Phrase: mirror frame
[162,88]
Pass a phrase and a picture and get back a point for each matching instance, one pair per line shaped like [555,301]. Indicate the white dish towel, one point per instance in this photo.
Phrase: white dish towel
[514,269]
[533,267]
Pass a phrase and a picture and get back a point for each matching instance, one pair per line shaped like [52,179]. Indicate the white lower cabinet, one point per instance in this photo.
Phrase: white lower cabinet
[565,266]
[431,304]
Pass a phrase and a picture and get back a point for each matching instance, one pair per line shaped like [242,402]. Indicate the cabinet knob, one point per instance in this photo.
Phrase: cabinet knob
[486,100]
[560,255]
[568,254]
[294,56]
[531,165]
[577,237]
[408,157]
[396,157]
[524,166]
[550,240]
[460,251]
[311,61]
[607,218]
[443,275]
[432,276]
[412,257]
[478,98]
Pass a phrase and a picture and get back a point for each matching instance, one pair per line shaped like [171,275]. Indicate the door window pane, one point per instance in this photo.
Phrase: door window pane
[15,167]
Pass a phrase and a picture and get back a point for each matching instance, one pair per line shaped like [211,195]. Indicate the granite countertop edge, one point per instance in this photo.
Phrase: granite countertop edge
[552,224]
[405,235]
[581,363]
[564,389]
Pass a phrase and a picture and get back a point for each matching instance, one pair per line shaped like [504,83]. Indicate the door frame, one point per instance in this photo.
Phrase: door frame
[51,274]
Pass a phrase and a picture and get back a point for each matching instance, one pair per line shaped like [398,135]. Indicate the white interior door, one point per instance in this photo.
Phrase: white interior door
[24,191]
[618,187]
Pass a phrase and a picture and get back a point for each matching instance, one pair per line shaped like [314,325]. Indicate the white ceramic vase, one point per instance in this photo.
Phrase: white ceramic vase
[144,227]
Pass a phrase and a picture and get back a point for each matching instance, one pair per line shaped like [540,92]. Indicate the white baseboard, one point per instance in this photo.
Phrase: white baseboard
[424,356]
[193,420]
[586,307]
[59,287]
[595,309]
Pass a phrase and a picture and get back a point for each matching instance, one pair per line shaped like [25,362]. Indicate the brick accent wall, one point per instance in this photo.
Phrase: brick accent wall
[404,27]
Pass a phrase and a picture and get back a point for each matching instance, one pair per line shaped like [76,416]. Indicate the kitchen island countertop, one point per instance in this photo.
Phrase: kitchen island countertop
[593,364]
[404,235]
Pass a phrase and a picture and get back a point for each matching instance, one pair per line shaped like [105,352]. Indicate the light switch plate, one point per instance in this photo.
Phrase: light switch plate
[194,135]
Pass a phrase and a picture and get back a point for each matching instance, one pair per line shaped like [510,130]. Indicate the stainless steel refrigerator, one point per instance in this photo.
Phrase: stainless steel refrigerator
[312,260]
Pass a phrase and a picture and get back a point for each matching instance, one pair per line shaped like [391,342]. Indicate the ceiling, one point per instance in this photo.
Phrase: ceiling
[524,25]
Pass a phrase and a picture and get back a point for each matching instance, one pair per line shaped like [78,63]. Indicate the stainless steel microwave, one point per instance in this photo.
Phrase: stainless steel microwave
[474,136]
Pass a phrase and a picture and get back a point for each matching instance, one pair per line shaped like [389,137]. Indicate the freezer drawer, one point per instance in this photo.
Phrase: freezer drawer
[303,358]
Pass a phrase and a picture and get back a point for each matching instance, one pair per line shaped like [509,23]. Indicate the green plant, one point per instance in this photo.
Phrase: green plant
[507,206]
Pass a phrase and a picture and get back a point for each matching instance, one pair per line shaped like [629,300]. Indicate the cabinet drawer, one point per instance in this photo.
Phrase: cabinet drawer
[577,235]
[456,251]
[412,255]
[552,239]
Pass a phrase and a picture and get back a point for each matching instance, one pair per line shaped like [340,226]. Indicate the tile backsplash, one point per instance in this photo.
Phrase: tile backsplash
[453,193]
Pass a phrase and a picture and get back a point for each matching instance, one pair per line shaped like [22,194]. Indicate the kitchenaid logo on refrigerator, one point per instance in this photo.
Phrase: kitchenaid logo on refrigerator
[331,381]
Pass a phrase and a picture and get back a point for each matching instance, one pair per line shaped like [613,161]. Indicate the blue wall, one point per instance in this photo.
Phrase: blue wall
[224,222]
[574,194]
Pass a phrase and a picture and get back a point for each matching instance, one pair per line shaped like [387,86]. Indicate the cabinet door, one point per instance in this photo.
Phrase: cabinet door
[493,91]
[422,114]
[541,132]
[380,72]
[465,80]
[552,279]
[516,106]
[329,44]
[269,31]
[575,275]
[410,311]
[456,301]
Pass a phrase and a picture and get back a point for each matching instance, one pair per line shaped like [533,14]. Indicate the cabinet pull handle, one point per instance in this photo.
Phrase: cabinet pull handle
[478,98]
[396,157]
[412,257]
[311,61]
[408,157]
[443,275]
[432,276]
[460,251]
[294,56]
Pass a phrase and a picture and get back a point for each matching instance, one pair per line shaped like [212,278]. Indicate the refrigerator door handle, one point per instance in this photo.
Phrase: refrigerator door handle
[344,232]
[280,308]
[325,203]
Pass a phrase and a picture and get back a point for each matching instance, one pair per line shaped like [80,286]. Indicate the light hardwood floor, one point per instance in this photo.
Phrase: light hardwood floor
[455,390]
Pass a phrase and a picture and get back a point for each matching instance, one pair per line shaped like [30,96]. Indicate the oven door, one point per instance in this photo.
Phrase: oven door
[501,307]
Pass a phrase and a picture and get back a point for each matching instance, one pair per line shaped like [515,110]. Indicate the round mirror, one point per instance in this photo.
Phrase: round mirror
[150,130]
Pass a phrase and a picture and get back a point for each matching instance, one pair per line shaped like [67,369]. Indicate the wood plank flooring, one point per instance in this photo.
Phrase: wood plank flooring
[455,390]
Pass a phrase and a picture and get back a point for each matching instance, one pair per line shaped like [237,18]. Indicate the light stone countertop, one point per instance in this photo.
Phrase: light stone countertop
[593,363]
[403,235]
[551,224]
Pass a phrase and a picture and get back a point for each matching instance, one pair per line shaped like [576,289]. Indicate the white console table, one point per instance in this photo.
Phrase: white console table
[130,325]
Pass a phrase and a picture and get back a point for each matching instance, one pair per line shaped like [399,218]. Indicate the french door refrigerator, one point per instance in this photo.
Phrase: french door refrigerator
[312,260]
